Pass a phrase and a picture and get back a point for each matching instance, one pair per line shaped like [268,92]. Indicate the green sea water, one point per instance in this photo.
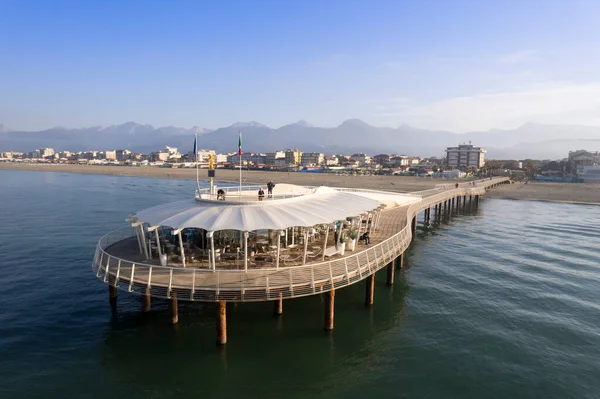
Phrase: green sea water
[500,303]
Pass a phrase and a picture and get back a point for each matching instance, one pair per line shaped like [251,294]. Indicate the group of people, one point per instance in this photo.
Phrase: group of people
[261,193]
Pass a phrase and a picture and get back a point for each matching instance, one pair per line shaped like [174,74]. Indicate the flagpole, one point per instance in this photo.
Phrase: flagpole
[240,154]
[196,156]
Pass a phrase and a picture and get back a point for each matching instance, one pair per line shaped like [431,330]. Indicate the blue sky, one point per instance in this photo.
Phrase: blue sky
[455,65]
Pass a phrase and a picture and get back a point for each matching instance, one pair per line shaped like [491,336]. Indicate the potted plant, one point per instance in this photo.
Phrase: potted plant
[352,235]
[342,246]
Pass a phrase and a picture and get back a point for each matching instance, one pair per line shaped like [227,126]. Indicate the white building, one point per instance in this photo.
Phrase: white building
[465,156]
[46,152]
[203,155]
[588,172]
[221,158]
[271,158]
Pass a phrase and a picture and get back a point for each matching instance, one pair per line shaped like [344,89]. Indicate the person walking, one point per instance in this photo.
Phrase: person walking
[270,186]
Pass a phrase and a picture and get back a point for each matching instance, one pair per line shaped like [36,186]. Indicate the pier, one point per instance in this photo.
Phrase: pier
[272,264]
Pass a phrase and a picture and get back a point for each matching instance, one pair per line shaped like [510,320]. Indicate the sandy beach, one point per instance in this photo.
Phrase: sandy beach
[577,193]
[580,193]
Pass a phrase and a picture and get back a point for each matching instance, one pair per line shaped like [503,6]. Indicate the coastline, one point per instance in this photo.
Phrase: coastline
[572,193]
[387,183]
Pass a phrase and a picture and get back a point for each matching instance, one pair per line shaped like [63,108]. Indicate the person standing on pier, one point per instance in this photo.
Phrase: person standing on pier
[270,186]
[261,194]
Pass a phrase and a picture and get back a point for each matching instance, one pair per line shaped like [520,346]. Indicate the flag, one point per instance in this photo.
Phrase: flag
[195,147]
[240,144]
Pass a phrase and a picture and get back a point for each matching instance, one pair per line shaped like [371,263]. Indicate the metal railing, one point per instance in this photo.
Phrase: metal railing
[262,284]
[248,194]
[366,190]
[238,285]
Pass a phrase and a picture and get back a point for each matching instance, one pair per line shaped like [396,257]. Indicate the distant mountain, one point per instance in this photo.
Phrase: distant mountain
[354,135]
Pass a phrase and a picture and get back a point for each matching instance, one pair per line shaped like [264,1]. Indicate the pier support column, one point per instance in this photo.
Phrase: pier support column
[278,306]
[146,302]
[173,311]
[390,274]
[221,323]
[400,261]
[370,290]
[329,310]
[414,227]
[112,296]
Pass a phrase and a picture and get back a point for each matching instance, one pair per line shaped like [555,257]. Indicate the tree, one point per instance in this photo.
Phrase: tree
[530,167]
[492,164]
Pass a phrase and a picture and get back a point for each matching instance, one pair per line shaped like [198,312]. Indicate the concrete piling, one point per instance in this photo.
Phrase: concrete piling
[370,290]
[173,310]
[221,323]
[329,310]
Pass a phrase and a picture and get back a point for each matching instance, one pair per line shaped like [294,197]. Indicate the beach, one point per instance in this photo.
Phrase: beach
[580,193]
[575,193]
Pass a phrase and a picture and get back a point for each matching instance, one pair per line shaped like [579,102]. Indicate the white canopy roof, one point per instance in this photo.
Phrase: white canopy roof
[324,206]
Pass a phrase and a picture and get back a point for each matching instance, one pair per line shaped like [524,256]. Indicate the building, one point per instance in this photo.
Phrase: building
[362,159]
[312,158]
[293,156]
[512,164]
[583,157]
[110,155]
[588,172]
[399,160]
[123,155]
[271,158]
[203,155]
[221,158]
[46,152]
[331,160]
[382,159]
[465,156]
[247,157]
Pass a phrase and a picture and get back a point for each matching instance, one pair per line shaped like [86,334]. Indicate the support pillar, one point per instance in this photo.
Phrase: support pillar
[370,290]
[173,311]
[414,227]
[400,261]
[390,274]
[329,309]
[112,294]
[221,323]
[146,302]
[278,306]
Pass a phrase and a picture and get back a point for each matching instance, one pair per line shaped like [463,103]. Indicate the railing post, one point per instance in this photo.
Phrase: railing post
[193,290]
[131,277]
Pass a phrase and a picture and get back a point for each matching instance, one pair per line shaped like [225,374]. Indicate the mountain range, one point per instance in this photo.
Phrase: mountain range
[532,140]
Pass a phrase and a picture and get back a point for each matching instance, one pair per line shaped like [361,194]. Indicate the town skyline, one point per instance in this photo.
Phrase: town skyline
[535,141]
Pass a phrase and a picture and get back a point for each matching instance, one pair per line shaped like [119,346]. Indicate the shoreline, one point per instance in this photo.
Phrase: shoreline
[570,193]
[555,201]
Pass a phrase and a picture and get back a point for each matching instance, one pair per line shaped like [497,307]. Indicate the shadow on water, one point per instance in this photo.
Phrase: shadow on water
[289,355]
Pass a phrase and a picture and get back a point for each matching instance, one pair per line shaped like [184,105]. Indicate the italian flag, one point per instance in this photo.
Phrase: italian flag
[240,144]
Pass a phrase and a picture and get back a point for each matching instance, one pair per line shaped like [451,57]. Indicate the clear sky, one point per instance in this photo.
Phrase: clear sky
[455,65]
